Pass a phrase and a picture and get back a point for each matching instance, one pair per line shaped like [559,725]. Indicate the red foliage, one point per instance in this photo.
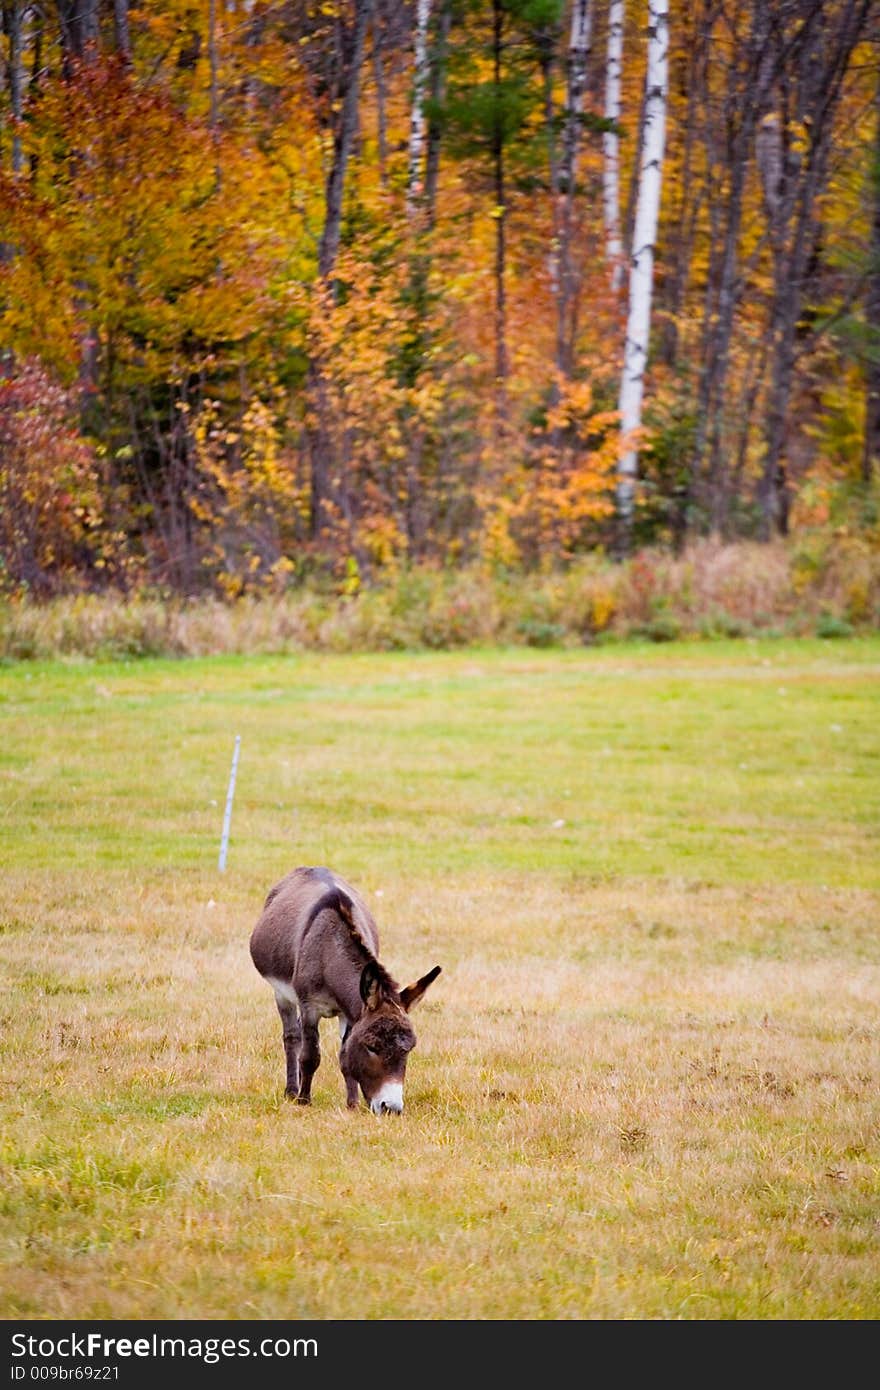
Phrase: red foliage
[49,494]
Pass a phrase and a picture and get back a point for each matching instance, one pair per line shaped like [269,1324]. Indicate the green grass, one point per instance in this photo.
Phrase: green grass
[646,1084]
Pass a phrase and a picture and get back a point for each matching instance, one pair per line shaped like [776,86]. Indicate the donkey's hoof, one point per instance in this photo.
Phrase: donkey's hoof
[303,1100]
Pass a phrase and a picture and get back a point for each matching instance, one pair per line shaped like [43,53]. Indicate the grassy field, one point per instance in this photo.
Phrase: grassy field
[647,1082]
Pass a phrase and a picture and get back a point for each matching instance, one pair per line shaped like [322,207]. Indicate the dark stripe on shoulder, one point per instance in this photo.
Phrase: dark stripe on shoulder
[334,901]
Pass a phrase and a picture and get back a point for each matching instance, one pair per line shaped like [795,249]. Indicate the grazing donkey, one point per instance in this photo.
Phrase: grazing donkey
[317,945]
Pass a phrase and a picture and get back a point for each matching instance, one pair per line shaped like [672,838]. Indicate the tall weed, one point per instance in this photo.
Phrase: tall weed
[822,584]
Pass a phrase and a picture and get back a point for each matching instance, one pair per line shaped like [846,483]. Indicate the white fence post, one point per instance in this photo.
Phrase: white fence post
[224,841]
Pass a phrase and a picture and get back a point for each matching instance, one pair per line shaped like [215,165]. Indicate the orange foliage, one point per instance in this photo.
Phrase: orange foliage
[161,233]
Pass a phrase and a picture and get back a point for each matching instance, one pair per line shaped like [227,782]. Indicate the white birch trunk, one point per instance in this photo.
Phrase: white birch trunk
[611,144]
[641,275]
[415,182]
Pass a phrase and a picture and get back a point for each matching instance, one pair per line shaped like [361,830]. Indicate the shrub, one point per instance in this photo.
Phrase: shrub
[830,625]
[50,507]
[712,591]
[539,634]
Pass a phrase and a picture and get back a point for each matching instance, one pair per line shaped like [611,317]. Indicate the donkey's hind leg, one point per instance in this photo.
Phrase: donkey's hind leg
[291,1029]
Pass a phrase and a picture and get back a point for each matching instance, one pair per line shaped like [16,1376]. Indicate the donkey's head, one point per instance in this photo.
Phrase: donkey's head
[375,1048]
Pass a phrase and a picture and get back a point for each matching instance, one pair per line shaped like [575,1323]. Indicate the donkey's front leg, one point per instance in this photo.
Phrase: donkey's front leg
[351,1086]
[292,1033]
[351,1093]
[309,1057]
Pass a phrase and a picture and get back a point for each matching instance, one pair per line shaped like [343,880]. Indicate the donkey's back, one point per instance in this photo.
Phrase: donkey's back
[284,944]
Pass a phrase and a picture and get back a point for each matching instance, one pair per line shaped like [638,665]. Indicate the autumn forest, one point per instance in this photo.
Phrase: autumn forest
[294,290]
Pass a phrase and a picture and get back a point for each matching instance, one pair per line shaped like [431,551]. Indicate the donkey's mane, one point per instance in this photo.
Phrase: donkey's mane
[340,903]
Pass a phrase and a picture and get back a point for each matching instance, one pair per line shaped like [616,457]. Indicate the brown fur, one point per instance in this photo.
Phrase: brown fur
[317,943]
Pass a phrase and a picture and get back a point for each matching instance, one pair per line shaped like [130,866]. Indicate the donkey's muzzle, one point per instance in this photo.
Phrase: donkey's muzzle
[388,1099]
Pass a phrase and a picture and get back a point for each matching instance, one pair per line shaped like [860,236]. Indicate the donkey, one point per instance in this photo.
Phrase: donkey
[317,945]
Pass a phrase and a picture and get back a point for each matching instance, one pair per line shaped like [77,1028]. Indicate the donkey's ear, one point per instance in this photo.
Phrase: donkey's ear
[372,984]
[413,993]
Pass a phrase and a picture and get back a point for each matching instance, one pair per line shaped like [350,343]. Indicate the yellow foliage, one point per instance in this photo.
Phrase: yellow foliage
[603,607]
[383,540]
[498,547]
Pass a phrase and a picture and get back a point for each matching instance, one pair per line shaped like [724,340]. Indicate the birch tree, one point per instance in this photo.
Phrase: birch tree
[641,275]
[417,126]
[611,144]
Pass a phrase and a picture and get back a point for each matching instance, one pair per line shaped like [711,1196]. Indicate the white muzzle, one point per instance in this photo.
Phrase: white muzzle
[388,1097]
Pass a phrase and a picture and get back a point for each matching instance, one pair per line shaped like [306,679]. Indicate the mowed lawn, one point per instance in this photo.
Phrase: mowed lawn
[647,1082]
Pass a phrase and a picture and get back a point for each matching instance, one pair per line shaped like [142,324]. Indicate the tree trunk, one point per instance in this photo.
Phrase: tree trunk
[212,68]
[323,485]
[642,264]
[415,185]
[12,21]
[500,215]
[79,40]
[714,381]
[816,60]
[611,144]
[871,451]
[578,57]
[547,62]
[693,88]
[633,190]
[747,85]
[343,144]
[438,91]
[773,497]
[37,49]
[79,29]
[120,29]
[381,101]
[13,14]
